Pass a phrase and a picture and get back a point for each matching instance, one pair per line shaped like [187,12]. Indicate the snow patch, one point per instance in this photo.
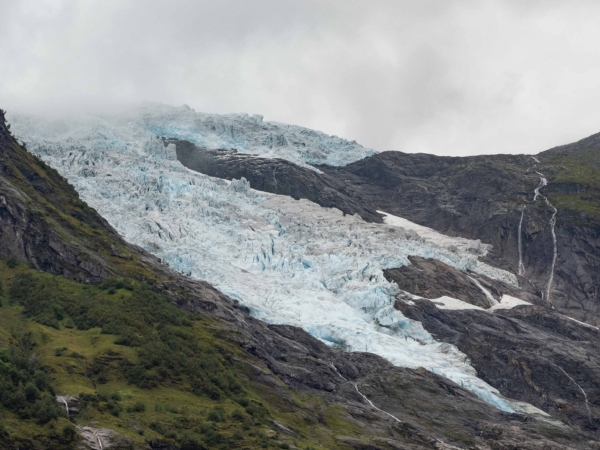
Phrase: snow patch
[445,302]
[509,302]
[454,244]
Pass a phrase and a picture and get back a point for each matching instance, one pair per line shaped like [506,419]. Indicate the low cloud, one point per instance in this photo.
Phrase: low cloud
[438,76]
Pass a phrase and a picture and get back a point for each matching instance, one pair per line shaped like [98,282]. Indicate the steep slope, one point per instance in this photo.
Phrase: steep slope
[348,400]
[290,262]
[494,199]
[528,352]
[95,332]
[488,198]
[44,222]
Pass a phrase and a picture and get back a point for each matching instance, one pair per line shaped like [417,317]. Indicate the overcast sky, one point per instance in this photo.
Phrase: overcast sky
[439,76]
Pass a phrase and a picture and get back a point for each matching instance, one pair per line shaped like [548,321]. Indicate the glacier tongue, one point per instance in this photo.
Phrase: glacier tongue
[291,262]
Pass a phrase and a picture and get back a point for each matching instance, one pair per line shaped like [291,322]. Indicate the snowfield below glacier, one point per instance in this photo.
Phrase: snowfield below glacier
[291,262]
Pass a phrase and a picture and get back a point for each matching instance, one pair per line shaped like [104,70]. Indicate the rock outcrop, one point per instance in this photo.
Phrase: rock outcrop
[277,176]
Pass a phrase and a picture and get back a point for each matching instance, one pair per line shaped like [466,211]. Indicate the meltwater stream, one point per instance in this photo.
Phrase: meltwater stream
[521,267]
[537,194]
[291,262]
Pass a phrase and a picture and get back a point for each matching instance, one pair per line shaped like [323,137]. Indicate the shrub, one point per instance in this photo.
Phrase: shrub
[114,408]
[256,410]
[242,401]
[3,433]
[31,392]
[60,351]
[69,434]
[158,427]
[237,415]
[217,414]
[48,409]
[137,407]
[24,388]
[169,351]
[12,262]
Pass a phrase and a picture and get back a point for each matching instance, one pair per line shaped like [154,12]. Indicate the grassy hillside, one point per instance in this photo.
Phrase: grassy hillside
[140,366]
[578,176]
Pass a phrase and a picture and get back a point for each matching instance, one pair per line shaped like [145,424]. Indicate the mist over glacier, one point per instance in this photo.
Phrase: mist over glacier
[242,132]
[290,262]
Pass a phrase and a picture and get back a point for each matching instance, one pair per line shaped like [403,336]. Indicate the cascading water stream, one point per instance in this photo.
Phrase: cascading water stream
[585,397]
[555,251]
[488,295]
[365,398]
[521,267]
[543,182]
[62,399]
[537,194]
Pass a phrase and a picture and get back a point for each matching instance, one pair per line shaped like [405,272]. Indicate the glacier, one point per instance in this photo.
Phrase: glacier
[242,132]
[290,262]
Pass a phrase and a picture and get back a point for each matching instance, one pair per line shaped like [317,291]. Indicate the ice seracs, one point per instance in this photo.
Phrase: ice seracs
[245,133]
[291,262]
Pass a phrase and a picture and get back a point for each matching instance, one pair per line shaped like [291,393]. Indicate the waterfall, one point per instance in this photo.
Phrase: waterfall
[364,396]
[488,295]
[537,194]
[521,268]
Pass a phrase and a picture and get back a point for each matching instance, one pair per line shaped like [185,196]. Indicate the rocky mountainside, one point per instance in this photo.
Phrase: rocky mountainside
[486,198]
[491,198]
[473,330]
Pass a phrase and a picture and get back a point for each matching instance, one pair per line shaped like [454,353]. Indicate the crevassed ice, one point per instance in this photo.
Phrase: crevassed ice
[291,262]
[246,134]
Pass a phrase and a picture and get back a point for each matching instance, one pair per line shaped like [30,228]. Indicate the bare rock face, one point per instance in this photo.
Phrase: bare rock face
[530,352]
[42,220]
[492,198]
[102,439]
[277,176]
[418,408]
[432,279]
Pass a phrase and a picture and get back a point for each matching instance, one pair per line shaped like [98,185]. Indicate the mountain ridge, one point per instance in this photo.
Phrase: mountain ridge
[420,409]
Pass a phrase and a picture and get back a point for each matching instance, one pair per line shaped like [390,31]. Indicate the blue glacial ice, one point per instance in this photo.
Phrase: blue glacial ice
[245,133]
[291,262]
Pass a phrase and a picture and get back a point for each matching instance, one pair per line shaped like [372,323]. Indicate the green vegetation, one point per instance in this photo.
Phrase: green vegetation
[581,169]
[139,366]
[24,387]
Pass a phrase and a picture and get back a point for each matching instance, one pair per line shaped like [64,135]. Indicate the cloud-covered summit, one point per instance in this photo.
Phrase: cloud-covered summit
[438,76]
